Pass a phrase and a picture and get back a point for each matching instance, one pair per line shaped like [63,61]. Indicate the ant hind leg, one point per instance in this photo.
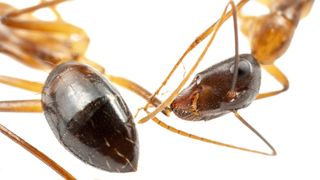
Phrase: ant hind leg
[56,167]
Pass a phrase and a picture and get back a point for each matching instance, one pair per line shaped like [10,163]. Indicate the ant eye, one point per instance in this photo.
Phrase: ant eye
[197,79]
[244,68]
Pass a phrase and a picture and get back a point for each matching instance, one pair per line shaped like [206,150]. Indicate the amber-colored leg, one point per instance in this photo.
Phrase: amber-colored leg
[279,76]
[43,4]
[21,83]
[192,136]
[27,106]
[21,106]
[265,2]
[128,84]
[77,45]
[89,62]
[212,29]
[11,20]
[56,26]
[15,52]
[54,10]
[56,167]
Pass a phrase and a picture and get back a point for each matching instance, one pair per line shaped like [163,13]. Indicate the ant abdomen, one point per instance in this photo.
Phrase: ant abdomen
[89,118]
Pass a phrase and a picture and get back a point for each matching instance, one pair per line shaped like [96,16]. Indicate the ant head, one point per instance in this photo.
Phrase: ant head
[209,96]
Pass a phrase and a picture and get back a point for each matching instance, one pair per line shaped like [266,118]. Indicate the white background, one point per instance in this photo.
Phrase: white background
[141,40]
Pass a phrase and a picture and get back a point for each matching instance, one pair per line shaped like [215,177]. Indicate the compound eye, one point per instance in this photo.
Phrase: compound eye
[197,80]
[244,69]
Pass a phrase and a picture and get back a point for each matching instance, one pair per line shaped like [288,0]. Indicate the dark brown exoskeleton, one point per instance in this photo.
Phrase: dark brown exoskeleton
[208,96]
[90,118]
[85,112]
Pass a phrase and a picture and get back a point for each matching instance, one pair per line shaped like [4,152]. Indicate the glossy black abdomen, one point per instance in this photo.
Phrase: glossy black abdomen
[89,118]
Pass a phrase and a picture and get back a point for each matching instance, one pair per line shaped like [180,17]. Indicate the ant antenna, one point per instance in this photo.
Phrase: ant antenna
[243,121]
[236,56]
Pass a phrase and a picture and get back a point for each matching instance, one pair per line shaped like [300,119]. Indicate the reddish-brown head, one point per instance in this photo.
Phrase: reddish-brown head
[208,95]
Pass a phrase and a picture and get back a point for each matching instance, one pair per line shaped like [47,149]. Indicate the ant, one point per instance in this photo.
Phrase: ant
[234,83]
[80,57]
[85,112]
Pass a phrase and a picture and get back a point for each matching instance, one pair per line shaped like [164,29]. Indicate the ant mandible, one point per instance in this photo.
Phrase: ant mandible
[221,89]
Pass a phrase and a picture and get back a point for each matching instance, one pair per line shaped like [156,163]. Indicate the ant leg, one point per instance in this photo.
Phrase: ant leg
[128,84]
[54,10]
[197,41]
[21,106]
[45,26]
[243,121]
[23,57]
[27,106]
[305,5]
[41,156]
[132,86]
[214,31]
[279,76]
[31,9]
[71,39]
[22,84]
[80,42]
[97,66]
[265,2]
[192,136]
